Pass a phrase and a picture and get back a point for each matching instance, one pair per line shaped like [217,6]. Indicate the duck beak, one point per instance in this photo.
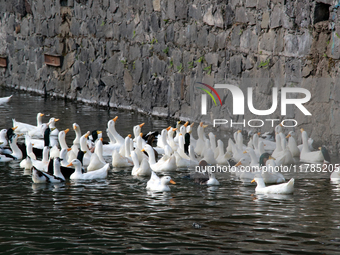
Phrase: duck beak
[186,124]
[238,163]
[41,114]
[99,132]
[168,128]
[101,139]
[87,134]
[270,157]
[192,124]
[320,148]
[141,125]
[68,149]
[115,118]
[239,131]
[244,152]
[129,135]
[179,122]
[56,120]
[288,136]
[281,124]
[252,181]
[14,128]
[302,130]
[259,133]
[141,134]
[69,165]
[143,150]
[201,124]
[172,182]
[74,127]
[52,129]
[174,129]
[66,130]
[18,135]
[204,126]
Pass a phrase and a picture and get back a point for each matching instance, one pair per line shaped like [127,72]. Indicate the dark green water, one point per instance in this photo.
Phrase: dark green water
[118,215]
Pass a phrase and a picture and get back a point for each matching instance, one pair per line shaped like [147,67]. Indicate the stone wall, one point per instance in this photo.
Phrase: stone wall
[149,54]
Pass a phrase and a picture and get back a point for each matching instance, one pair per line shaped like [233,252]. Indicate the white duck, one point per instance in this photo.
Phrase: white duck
[283,188]
[63,156]
[222,158]
[96,174]
[16,152]
[5,100]
[307,155]
[142,169]
[42,164]
[52,123]
[84,147]
[269,174]
[112,129]
[200,143]
[292,144]
[24,127]
[159,184]
[166,165]
[97,161]
[120,161]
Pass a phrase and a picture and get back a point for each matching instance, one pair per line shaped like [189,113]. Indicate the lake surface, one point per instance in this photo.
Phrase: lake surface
[118,215]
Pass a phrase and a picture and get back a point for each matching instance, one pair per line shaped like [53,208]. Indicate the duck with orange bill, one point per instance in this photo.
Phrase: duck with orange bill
[283,188]
[200,143]
[159,184]
[96,174]
[308,156]
[24,128]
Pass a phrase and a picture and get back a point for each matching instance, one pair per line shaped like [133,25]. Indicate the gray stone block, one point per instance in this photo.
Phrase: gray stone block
[229,16]
[275,17]
[195,12]
[235,66]
[241,15]
[267,41]
[293,70]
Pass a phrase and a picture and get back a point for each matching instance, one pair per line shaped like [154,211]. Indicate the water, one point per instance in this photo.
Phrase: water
[118,215]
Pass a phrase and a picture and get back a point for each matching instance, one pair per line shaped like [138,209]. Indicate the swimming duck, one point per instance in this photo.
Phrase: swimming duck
[119,160]
[96,174]
[97,161]
[142,169]
[42,164]
[44,177]
[5,100]
[307,155]
[24,127]
[166,165]
[159,184]
[200,143]
[292,144]
[283,188]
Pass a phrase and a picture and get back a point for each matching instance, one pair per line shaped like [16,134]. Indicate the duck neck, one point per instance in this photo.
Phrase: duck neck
[152,159]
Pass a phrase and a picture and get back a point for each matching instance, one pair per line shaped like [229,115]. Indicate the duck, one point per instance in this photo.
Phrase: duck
[213,146]
[97,161]
[30,154]
[171,141]
[5,100]
[137,130]
[194,161]
[162,165]
[200,143]
[54,130]
[112,129]
[63,156]
[84,147]
[96,174]
[180,149]
[42,164]
[268,173]
[292,144]
[142,169]
[159,184]
[119,160]
[44,177]
[283,188]
[16,151]
[307,155]
[24,127]
[184,163]
[335,175]
[205,177]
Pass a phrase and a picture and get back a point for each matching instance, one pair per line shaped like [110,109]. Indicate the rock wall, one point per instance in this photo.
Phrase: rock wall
[149,55]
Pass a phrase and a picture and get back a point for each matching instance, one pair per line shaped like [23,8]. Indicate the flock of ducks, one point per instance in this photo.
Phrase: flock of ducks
[44,151]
